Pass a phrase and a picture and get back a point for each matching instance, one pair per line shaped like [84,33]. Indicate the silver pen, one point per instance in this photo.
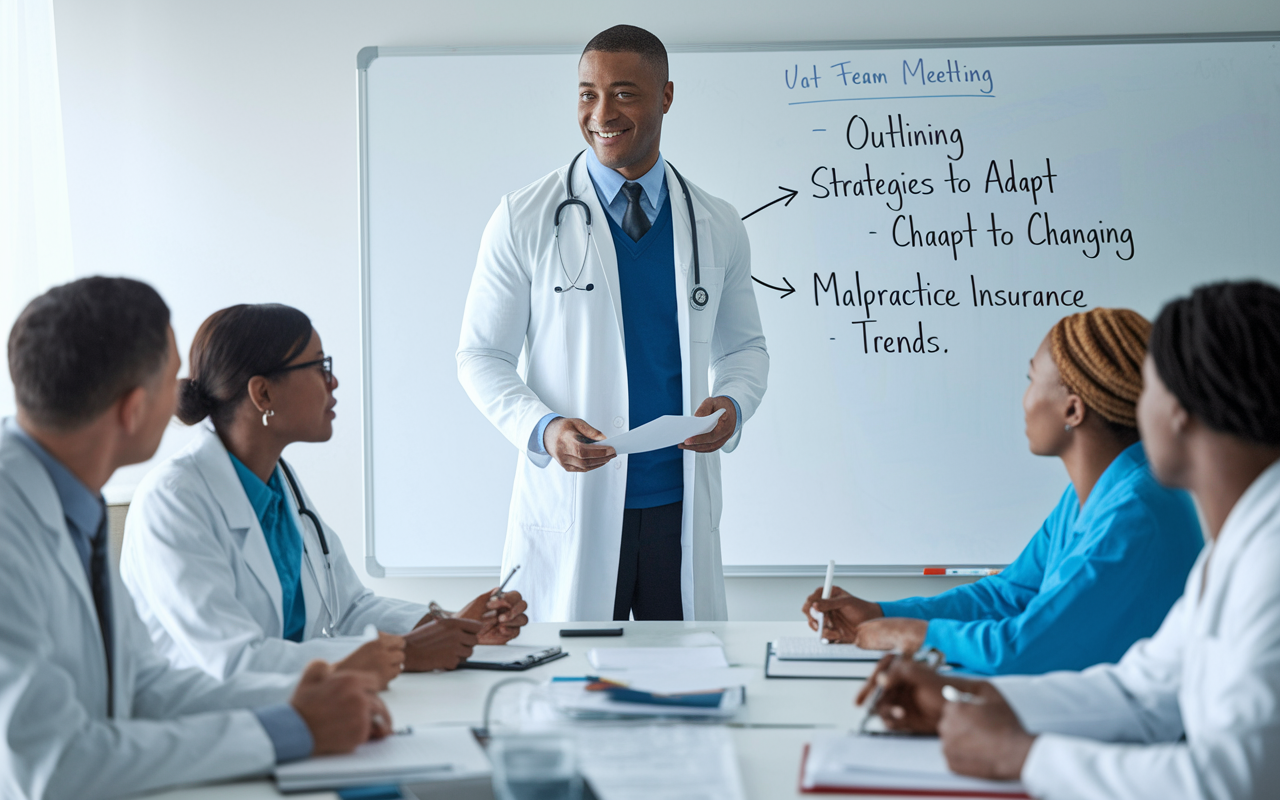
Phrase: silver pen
[510,575]
[931,658]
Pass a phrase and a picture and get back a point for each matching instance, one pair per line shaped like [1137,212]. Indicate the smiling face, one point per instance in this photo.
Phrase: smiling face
[303,398]
[621,100]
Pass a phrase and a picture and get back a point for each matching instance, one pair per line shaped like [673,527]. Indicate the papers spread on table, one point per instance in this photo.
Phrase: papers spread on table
[666,431]
[775,667]
[807,648]
[893,765]
[436,753]
[657,658]
[642,762]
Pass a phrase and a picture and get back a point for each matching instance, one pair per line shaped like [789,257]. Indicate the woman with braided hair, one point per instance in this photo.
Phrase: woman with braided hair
[1194,711]
[1107,564]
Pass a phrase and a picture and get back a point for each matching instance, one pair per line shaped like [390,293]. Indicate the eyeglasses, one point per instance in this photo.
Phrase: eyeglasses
[325,364]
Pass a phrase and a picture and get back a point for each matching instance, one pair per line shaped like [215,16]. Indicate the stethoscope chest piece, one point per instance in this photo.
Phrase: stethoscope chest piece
[699,298]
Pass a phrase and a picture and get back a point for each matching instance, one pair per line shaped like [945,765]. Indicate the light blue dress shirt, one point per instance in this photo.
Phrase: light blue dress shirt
[1091,582]
[84,511]
[608,184]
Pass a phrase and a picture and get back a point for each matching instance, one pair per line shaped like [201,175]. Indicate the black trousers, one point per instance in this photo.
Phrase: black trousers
[649,564]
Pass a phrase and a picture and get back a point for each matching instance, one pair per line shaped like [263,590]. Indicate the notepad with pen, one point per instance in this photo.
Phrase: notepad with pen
[890,765]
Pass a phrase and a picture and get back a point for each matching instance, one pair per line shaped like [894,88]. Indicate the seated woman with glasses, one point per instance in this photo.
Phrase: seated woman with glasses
[230,565]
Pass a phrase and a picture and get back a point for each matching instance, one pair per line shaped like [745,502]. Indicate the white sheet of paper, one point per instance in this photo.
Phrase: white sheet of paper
[662,432]
[436,753]
[660,761]
[681,681]
[657,658]
[891,763]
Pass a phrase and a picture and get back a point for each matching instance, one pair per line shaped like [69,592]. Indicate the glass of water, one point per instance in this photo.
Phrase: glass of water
[535,766]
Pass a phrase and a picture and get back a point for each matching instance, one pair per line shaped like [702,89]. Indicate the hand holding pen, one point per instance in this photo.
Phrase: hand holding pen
[501,612]
[906,692]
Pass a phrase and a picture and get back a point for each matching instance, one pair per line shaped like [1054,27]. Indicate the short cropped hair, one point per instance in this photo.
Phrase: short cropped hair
[630,39]
[79,347]
[1218,352]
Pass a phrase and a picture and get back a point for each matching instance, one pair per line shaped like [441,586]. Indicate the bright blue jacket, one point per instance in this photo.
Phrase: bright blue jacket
[1091,582]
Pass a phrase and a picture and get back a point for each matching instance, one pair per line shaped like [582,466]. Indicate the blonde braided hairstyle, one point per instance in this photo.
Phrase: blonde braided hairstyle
[1099,354]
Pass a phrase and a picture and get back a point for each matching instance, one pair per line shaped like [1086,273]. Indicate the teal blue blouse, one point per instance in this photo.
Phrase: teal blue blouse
[284,542]
[1091,582]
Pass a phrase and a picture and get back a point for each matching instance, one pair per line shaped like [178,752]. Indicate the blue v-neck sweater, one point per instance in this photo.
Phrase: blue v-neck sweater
[647,281]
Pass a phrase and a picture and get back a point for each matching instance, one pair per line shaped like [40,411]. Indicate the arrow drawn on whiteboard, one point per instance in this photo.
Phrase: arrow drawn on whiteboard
[789,196]
[789,290]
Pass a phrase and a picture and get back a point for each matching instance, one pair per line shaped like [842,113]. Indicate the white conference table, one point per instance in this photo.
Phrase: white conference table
[769,734]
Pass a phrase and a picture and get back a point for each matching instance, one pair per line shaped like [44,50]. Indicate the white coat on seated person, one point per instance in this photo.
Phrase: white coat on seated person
[168,726]
[565,528]
[197,563]
[1202,695]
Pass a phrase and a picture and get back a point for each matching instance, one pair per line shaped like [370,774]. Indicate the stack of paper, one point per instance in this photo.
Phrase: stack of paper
[891,765]
[443,753]
[692,762]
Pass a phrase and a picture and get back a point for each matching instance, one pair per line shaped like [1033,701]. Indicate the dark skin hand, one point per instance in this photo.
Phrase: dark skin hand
[569,442]
[842,614]
[383,658]
[340,708]
[891,633]
[502,616]
[911,694]
[440,644]
[984,740]
[715,438]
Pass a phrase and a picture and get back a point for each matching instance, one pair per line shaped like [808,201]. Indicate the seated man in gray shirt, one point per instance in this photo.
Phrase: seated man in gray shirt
[87,707]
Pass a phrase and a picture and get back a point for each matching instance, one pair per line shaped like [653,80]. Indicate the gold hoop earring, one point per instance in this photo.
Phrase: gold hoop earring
[266,415]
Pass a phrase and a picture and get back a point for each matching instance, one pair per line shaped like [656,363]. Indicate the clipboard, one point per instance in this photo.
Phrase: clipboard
[511,658]
[775,667]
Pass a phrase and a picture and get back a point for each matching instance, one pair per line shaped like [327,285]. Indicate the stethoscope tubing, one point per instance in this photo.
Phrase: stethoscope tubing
[698,296]
[331,604]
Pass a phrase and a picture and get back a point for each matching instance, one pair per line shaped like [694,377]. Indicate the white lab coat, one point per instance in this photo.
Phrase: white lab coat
[197,564]
[169,726]
[526,351]
[1211,674]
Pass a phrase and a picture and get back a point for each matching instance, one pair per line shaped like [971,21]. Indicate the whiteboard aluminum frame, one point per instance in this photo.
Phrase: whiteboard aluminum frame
[367,55]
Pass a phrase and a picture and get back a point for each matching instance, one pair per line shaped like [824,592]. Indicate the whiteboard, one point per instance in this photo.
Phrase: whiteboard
[884,453]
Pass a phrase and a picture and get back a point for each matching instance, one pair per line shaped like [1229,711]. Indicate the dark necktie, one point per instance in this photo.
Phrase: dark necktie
[635,223]
[99,580]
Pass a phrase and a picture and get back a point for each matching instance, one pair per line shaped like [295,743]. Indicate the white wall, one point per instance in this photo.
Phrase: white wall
[211,149]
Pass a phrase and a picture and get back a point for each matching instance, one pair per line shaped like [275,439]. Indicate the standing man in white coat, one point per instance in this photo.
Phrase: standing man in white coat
[628,291]
[88,708]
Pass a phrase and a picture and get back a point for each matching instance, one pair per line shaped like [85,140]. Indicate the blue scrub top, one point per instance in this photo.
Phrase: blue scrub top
[1092,581]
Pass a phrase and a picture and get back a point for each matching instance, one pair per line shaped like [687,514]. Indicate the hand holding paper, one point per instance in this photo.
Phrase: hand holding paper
[717,437]
[662,432]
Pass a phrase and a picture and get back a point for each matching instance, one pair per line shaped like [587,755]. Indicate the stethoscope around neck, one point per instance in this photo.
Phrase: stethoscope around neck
[698,296]
[331,603]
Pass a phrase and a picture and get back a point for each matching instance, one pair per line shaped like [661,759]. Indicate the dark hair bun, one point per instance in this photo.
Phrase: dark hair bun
[194,402]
